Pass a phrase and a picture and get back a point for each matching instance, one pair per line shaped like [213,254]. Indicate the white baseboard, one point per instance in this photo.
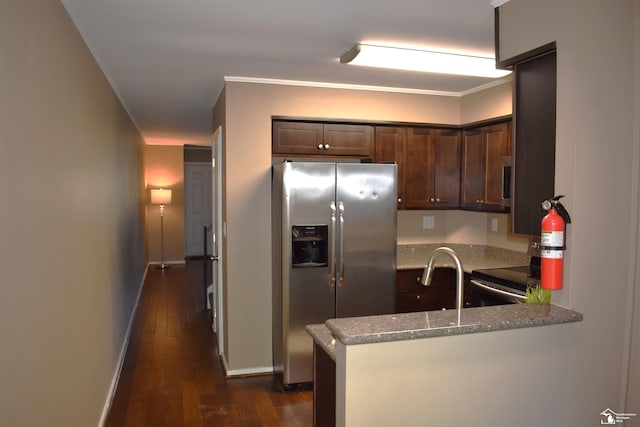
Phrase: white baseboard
[123,352]
[168,262]
[245,372]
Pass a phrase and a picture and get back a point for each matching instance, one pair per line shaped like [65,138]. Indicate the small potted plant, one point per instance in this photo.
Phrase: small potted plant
[537,294]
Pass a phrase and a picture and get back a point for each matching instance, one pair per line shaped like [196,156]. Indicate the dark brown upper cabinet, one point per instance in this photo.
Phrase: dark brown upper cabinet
[432,168]
[391,146]
[485,150]
[322,139]
[428,164]
[534,122]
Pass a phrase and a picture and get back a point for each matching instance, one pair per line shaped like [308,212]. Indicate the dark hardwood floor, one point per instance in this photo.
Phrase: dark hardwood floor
[172,375]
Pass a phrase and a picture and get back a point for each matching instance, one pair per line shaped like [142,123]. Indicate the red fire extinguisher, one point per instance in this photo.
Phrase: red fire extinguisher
[552,243]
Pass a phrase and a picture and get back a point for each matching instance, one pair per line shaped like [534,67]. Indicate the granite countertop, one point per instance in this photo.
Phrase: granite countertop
[395,327]
[322,336]
[432,324]
[473,257]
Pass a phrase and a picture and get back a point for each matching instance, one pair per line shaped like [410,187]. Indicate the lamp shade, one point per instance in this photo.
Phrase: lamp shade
[160,196]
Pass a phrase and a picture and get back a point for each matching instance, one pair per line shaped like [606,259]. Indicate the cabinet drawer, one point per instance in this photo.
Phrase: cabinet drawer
[443,277]
[426,299]
[408,279]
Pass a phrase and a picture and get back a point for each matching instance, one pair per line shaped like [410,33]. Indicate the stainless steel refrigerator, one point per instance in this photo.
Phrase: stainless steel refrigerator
[334,253]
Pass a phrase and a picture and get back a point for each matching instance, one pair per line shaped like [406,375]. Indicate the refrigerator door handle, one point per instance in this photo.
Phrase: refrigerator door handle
[332,233]
[341,249]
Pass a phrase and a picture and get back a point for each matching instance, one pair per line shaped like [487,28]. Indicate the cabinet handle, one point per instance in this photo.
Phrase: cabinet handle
[437,200]
[319,146]
[399,200]
[417,296]
[432,200]
[326,146]
[479,201]
[418,279]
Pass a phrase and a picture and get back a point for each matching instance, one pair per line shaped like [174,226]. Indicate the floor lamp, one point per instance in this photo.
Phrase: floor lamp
[160,196]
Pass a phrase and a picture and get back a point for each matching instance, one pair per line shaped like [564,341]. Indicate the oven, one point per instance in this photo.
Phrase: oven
[508,285]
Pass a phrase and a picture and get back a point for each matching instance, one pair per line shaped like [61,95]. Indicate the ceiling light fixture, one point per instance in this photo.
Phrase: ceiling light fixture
[402,58]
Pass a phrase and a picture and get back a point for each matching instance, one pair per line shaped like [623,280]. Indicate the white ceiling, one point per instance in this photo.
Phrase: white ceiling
[167,59]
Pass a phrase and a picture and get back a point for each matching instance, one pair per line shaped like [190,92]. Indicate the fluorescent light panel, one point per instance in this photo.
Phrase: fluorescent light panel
[400,58]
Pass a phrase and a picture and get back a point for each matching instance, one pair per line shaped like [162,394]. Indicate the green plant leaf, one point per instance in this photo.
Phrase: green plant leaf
[537,294]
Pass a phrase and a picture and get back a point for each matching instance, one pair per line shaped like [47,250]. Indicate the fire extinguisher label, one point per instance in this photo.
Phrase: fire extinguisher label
[551,254]
[552,238]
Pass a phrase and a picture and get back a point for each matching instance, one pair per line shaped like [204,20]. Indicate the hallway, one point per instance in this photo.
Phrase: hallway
[172,375]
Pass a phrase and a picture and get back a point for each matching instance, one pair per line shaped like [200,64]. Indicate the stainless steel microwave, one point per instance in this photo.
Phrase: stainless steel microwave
[505,196]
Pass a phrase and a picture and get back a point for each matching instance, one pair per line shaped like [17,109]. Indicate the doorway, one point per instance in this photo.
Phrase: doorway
[197,209]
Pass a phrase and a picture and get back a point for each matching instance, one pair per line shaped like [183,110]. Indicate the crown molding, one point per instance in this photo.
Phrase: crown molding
[326,85]
[486,86]
[339,86]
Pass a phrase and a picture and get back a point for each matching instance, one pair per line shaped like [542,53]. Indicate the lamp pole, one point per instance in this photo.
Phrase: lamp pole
[160,196]
[163,265]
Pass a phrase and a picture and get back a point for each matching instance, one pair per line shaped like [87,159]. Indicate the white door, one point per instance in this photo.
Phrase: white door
[197,210]
[217,231]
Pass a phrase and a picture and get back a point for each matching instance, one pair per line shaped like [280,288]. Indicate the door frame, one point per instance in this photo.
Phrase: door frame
[217,236]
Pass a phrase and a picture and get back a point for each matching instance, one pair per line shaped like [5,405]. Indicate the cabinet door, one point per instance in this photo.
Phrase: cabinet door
[322,139]
[390,146]
[535,141]
[297,138]
[473,168]
[497,139]
[348,140]
[483,151]
[419,168]
[446,181]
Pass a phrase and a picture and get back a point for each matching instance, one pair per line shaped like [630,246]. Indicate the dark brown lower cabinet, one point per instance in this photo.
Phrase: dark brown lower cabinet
[412,296]
[324,388]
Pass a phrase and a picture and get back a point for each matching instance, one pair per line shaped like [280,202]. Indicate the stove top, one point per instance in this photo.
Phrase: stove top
[513,277]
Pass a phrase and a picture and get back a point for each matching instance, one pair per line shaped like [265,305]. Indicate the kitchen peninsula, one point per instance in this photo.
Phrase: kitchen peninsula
[447,367]
[413,368]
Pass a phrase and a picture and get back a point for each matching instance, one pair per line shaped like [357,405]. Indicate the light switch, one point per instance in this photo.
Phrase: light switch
[428,222]
[494,224]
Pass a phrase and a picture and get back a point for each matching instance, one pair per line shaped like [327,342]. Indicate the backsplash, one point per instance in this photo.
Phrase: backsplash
[455,226]
[472,256]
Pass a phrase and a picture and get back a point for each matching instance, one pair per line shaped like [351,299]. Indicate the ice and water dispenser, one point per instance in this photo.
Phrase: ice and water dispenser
[310,245]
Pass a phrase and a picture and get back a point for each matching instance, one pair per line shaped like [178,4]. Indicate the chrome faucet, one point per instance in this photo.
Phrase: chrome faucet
[428,273]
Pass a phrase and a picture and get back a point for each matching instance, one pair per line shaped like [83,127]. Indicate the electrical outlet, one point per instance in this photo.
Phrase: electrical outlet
[428,222]
[494,224]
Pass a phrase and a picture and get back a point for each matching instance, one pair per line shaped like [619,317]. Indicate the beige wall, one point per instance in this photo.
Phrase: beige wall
[597,154]
[494,101]
[164,168]
[476,380]
[72,251]
[633,377]
[245,114]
